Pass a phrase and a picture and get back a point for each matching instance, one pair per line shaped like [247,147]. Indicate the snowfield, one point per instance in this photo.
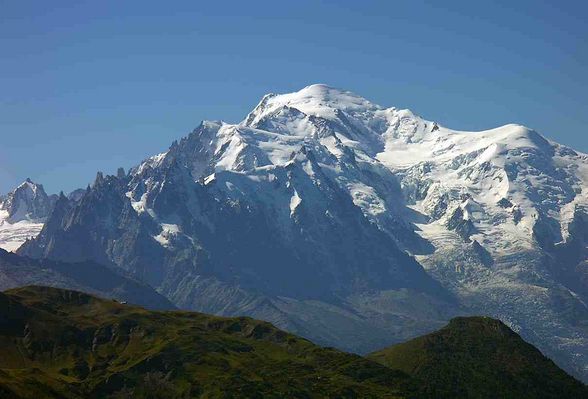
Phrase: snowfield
[12,235]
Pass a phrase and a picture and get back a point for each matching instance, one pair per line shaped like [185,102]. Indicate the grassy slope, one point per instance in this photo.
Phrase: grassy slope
[479,357]
[58,343]
[65,344]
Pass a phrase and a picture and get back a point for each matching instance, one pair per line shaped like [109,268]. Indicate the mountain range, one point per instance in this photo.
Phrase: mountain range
[351,224]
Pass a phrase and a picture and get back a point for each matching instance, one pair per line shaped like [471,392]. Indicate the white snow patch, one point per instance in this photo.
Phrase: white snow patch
[209,179]
[295,200]
[367,199]
[167,232]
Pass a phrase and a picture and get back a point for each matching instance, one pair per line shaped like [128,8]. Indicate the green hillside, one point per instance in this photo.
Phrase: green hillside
[58,343]
[479,357]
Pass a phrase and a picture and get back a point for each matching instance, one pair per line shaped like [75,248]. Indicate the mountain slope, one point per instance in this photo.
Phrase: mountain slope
[61,343]
[505,211]
[482,358]
[331,216]
[93,278]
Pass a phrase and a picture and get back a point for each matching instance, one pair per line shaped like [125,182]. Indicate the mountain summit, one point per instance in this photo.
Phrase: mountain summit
[317,100]
[22,213]
[352,224]
[27,202]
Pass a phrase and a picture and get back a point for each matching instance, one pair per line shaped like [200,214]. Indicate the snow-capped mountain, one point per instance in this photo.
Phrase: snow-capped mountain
[350,223]
[22,214]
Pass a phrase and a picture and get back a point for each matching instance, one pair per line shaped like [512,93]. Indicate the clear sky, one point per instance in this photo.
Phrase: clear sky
[93,85]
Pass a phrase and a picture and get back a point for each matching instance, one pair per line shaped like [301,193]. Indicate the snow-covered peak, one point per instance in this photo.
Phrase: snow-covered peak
[22,213]
[345,131]
[317,100]
[27,190]
[415,140]
[511,135]
[27,201]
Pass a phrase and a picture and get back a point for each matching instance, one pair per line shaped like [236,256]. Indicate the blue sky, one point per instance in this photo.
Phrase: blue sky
[93,85]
